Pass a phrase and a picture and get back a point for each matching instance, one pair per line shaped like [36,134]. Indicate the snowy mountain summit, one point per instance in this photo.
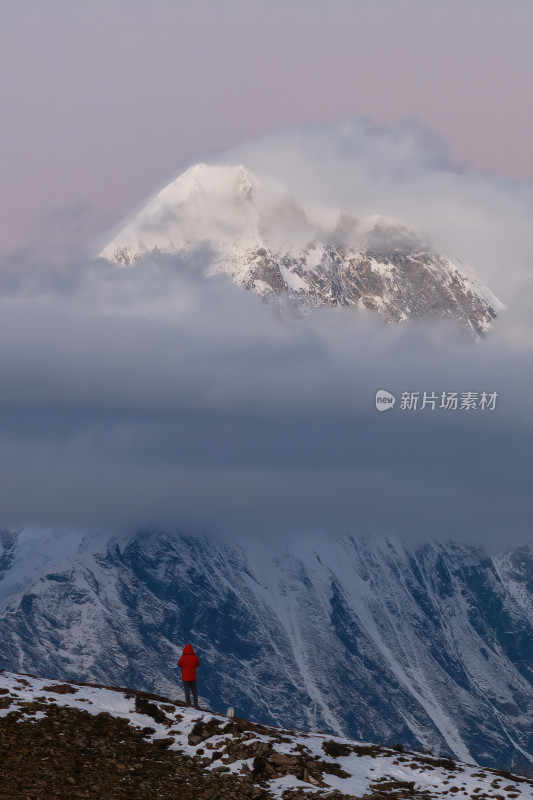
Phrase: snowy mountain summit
[228,220]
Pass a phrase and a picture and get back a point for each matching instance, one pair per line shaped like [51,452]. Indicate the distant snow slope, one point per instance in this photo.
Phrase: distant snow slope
[288,760]
[26,554]
[231,221]
[429,646]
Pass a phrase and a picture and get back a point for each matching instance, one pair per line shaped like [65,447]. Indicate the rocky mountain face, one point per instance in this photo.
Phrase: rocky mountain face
[226,220]
[430,646]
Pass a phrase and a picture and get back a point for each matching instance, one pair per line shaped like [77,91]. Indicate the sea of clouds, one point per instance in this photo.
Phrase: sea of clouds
[151,395]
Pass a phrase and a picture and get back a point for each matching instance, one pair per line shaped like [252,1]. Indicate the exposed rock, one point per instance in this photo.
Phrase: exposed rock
[71,753]
[144,706]
[61,688]
[283,760]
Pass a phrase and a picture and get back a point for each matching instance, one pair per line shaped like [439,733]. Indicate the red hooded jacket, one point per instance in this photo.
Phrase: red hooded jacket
[188,663]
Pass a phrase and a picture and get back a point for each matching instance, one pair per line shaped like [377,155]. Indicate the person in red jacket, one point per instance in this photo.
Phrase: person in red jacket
[188,663]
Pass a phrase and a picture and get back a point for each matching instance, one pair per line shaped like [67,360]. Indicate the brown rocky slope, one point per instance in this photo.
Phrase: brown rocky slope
[58,741]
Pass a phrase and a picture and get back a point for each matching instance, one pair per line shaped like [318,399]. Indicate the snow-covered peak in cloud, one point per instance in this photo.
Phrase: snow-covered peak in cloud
[226,219]
[176,218]
[225,206]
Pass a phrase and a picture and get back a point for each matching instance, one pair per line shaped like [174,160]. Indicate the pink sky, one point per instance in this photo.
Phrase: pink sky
[101,101]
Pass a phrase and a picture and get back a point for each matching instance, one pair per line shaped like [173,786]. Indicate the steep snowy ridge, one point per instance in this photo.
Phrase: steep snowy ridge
[284,763]
[430,646]
[269,242]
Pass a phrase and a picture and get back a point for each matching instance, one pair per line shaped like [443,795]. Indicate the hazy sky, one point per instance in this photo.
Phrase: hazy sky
[102,100]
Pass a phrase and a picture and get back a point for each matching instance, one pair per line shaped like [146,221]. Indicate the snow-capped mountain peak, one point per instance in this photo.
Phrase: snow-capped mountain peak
[273,244]
[204,183]
[205,203]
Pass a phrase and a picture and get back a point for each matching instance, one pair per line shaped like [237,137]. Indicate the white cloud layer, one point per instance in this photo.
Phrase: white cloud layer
[150,395]
[405,171]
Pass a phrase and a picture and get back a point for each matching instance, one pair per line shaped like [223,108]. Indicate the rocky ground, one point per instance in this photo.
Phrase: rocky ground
[57,741]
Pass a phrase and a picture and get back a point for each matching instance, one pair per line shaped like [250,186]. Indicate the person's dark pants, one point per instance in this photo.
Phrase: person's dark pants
[188,686]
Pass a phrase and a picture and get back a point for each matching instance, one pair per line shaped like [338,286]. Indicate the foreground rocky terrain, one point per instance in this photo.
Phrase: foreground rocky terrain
[69,740]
